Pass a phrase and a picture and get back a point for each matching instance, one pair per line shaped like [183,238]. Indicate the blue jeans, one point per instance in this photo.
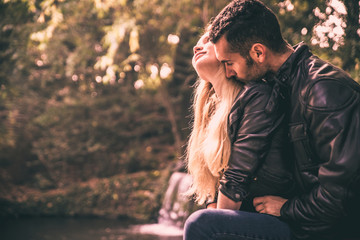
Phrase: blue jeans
[230,225]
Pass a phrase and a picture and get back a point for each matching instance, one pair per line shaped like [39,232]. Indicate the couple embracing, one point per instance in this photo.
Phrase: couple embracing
[275,145]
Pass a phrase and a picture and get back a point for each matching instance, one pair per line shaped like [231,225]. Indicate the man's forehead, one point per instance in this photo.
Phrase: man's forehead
[222,49]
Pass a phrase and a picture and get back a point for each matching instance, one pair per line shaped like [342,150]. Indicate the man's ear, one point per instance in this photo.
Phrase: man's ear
[258,52]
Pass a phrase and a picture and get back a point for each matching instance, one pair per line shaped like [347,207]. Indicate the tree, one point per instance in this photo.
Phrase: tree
[331,28]
[108,83]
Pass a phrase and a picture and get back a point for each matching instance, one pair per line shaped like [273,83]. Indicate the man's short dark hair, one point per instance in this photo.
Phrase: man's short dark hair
[245,22]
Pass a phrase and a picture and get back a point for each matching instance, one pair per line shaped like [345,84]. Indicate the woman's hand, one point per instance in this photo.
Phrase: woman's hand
[269,204]
[226,203]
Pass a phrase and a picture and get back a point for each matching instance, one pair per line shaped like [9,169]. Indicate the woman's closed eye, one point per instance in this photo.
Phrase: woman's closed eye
[206,39]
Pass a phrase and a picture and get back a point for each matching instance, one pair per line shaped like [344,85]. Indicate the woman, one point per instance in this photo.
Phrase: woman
[237,149]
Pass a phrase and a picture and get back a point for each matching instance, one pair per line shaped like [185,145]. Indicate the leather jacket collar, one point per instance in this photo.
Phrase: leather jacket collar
[283,76]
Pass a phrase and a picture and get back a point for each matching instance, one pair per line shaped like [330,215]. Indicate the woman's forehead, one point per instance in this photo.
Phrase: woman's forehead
[204,38]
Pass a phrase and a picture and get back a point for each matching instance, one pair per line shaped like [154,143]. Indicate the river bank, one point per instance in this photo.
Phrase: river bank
[66,228]
[132,196]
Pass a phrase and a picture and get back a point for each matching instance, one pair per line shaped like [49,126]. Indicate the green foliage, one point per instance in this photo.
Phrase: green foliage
[13,39]
[99,88]
[331,28]
[133,196]
[81,137]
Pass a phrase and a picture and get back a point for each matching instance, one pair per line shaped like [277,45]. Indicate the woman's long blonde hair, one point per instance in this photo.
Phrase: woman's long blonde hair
[209,145]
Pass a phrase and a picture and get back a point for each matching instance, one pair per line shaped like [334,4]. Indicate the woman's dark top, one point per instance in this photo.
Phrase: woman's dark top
[260,162]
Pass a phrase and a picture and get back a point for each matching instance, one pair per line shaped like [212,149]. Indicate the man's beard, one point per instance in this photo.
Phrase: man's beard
[254,71]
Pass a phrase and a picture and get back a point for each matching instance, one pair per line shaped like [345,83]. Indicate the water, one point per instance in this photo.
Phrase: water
[176,206]
[57,228]
[175,209]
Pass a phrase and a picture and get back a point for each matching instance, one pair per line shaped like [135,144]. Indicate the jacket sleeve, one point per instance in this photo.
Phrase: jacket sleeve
[252,124]
[333,117]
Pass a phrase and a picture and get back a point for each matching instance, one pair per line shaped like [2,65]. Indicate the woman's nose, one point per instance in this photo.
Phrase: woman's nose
[196,49]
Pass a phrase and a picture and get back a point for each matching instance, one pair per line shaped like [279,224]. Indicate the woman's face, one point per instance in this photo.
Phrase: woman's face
[204,59]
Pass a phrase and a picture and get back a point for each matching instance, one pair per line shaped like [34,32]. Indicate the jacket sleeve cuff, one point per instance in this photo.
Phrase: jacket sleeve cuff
[208,203]
[283,210]
[231,193]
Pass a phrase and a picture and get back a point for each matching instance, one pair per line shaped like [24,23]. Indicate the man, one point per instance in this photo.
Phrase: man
[324,121]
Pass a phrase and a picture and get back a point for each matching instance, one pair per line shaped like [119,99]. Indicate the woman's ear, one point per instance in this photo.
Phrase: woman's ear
[258,52]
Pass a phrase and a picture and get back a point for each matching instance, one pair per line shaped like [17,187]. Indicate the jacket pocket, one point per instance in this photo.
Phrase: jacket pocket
[306,163]
[301,145]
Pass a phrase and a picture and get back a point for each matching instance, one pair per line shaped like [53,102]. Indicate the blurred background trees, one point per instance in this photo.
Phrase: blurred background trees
[98,88]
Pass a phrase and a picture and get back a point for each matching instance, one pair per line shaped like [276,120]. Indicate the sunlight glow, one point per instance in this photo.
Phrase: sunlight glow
[98,48]
[138,84]
[98,79]
[287,4]
[328,10]
[75,78]
[46,34]
[39,63]
[165,70]
[173,39]
[134,40]
[304,31]
[331,26]
[338,6]
[319,14]
[137,68]
[154,71]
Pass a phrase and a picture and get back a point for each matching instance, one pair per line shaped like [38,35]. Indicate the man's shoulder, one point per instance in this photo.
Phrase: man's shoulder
[329,94]
[328,87]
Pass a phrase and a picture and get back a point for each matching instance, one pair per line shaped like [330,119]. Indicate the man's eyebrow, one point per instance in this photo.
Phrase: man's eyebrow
[224,61]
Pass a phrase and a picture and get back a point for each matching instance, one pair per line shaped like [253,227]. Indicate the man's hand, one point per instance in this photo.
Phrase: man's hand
[269,204]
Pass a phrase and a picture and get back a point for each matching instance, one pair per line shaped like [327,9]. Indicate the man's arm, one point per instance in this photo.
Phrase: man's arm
[333,117]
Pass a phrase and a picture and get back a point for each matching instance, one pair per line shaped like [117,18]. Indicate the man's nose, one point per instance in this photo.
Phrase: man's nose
[229,72]
[196,49]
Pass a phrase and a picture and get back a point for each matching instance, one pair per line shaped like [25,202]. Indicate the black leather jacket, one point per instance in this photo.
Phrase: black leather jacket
[324,127]
[259,163]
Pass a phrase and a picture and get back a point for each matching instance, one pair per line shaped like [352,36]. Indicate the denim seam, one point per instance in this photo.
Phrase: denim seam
[215,235]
